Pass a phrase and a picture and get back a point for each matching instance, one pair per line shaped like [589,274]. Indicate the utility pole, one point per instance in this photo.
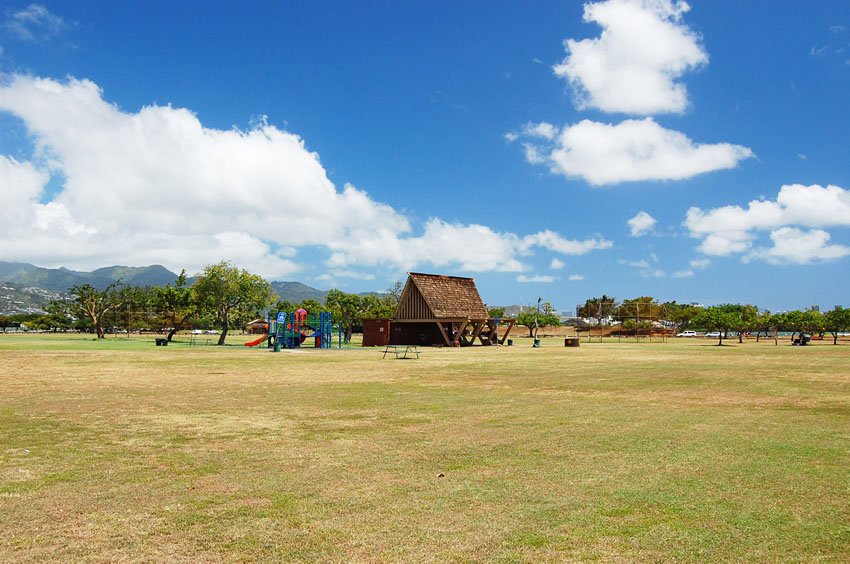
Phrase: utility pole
[536,315]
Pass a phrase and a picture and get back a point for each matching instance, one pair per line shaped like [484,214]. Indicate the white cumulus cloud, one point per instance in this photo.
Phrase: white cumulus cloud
[556,264]
[20,185]
[635,63]
[157,186]
[700,264]
[641,263]
[630,151]
[554,242]
[795,246]
[540,279]
[475,248]
[632,67]
[543,130]
[641,224]
[734,229]
[644,268]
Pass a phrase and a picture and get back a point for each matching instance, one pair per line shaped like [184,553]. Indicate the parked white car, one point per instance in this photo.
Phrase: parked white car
[197,331]
[714,334]
[687,334]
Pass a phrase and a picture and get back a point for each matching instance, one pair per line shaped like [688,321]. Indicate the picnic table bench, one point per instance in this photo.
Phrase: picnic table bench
[402,351]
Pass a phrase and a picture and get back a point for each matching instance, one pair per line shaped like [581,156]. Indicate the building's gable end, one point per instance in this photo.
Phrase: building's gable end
[412,304]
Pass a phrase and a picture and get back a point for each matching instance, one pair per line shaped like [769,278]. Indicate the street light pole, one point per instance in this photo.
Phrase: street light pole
[536,315]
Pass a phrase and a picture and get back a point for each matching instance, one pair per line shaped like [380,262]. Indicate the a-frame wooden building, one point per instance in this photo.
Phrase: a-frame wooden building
[444,310]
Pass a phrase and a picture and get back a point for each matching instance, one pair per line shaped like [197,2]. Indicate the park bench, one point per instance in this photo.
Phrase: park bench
[402,351]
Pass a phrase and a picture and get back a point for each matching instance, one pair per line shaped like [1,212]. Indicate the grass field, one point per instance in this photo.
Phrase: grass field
[120,450]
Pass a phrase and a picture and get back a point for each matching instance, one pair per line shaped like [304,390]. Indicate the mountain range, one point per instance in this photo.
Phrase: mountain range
[24,283]
[60,279]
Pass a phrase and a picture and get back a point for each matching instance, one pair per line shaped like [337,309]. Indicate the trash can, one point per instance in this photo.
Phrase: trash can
[536,343]
[510,342]
[277,346]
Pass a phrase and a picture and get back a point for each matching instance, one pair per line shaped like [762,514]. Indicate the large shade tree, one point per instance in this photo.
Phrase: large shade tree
[680,315]
[746,318]
[228,292]
[93,304]
[347,309]
[837,321]
[765,322]
[644,308]
[717,318]
[177,303]
[802,322]
[376,306]
[598,308]
[533,318]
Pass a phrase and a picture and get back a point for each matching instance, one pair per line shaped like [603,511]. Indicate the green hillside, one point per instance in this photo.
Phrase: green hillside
[60,279]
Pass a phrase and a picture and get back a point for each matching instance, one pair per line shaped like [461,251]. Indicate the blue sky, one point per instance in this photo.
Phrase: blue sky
[554,149]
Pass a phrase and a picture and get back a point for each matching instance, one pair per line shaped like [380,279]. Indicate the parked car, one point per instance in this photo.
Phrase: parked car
[687,334]
[714,334]
[212,332]
[197,331]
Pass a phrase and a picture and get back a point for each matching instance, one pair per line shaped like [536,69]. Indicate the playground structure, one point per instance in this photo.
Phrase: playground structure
[294,330]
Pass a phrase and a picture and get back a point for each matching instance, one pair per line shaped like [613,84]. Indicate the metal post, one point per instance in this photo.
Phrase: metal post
[536,315]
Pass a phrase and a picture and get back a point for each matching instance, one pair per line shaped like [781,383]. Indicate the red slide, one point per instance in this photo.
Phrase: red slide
[257,342]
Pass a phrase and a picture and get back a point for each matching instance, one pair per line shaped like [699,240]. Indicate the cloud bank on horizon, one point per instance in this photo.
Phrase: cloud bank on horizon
[158,186]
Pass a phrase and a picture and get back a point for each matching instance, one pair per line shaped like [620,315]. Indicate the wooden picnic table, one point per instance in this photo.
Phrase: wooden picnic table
[402,351]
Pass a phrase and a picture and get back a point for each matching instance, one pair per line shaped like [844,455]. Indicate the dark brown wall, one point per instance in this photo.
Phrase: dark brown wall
[424,334]
[376,332]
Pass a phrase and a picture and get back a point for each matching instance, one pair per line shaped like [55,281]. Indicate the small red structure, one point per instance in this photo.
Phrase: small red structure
[376,332]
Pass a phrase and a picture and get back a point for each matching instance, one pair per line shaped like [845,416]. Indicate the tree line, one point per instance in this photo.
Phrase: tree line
[222,297]
[743,319]
[641,312]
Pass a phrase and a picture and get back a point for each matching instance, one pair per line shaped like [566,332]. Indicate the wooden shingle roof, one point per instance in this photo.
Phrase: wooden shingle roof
[443,297]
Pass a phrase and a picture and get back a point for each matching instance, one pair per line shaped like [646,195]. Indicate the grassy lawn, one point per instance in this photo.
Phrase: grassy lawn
[120,450]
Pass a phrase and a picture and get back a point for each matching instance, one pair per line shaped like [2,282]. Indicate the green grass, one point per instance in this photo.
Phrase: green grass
[120,450]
